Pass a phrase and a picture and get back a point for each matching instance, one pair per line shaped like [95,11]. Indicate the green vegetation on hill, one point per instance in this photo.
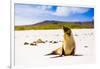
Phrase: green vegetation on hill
[55,25]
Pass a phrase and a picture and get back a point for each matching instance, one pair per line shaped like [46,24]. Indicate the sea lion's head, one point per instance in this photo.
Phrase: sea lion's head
[67,30]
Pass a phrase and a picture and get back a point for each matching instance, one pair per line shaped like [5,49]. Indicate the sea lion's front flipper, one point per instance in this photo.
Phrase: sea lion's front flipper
[73,52]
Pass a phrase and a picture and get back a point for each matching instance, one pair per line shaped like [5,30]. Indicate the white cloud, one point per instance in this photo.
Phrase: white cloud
[79,10]
[62,11]
[66,11]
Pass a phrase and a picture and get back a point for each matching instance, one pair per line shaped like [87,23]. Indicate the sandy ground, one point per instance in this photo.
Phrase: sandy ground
[34,55]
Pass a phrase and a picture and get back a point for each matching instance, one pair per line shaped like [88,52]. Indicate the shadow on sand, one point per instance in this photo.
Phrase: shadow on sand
[62,55]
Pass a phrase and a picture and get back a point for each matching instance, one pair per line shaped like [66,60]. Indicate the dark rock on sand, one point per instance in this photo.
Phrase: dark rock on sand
[50,42]
[86,46]
[55,42]
[33,44]
[26,43]
[76,34]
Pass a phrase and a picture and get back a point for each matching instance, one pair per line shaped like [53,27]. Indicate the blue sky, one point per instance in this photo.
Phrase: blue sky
[26,14]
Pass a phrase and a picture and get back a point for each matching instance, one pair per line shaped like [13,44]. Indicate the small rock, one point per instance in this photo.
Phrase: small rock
[46,41]
[40,41]
[55,42]
[51,41]
[76,35]
[26,43]
[60,41]
[33,44]
[34,41]
[86,46]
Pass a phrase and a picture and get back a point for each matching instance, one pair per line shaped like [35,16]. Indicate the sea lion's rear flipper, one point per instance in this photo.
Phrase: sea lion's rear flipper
[56,52]
[52,53]
[57,56]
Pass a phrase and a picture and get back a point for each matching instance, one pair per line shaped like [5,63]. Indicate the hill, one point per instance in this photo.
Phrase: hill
[45,25]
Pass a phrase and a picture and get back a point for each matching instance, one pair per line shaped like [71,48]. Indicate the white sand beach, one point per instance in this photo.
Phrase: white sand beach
[28,55]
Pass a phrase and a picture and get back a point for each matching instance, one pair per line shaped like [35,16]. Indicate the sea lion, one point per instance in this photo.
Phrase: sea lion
[68,45]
